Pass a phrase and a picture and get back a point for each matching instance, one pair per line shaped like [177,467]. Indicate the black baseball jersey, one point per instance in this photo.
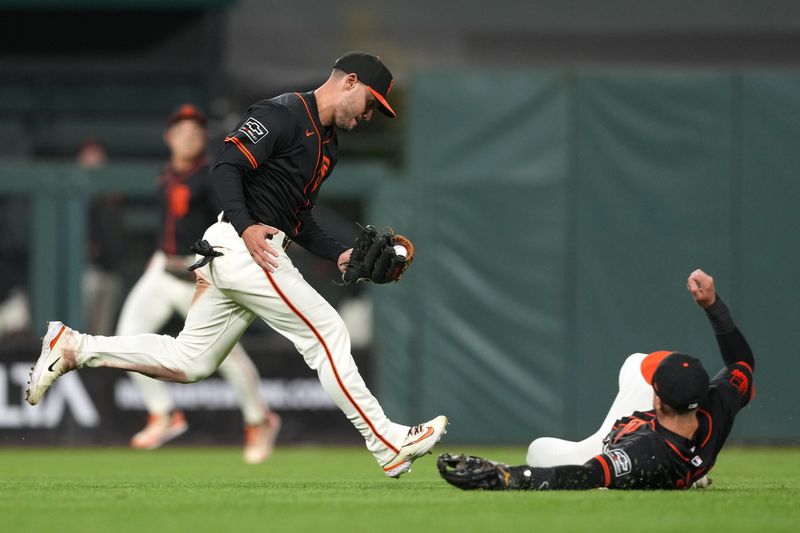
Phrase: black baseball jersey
[272,167]
[639,453]
[187,205]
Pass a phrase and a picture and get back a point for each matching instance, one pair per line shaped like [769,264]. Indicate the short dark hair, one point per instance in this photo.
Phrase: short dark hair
[670,410]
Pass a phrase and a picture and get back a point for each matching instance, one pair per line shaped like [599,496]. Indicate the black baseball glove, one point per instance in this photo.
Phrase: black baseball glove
[376,257]
[468,472]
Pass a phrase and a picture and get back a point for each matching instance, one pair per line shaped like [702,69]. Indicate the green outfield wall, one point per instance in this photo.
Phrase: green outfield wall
[557,215]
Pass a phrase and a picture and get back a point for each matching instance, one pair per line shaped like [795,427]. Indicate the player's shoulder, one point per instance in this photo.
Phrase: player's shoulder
[273,108]
[269,117]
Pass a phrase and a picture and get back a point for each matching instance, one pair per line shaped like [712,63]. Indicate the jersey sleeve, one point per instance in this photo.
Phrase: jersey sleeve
[638,465]
[732,388]
[264,131]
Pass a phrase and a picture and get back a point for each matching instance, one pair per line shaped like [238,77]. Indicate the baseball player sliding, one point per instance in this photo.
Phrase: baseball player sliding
[267,179]
[187,205]
[670,446]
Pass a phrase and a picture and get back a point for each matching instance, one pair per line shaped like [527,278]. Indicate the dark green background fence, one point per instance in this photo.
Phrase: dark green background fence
[557,215]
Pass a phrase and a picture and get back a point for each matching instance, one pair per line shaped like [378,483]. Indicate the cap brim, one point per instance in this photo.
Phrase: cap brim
[383,105]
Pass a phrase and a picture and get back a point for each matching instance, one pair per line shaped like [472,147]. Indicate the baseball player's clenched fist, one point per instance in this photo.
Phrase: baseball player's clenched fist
[701,285]
[255,238]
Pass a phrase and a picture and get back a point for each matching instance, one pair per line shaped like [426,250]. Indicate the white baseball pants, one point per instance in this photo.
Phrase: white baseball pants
[635,394]
[231,292]
[150,304]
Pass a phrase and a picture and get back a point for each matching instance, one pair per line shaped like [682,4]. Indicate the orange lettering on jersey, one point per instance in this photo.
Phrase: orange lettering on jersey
[630,427]
[323,170]
[179,196]
[739,381]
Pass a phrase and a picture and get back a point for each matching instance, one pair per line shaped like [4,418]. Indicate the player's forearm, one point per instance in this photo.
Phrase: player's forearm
[566,477]
[315,240]
[732,345]
[226,179]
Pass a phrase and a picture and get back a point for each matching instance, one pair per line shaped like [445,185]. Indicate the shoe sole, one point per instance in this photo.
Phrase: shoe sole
[35,375]
[403,467]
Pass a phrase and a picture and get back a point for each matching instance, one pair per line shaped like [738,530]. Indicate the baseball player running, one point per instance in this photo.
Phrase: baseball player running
[668,447]
[186,205]
[267,178]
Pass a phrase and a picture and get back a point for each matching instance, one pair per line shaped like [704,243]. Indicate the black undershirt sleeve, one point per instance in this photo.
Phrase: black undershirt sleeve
[565,477]
[732,345]
[315,240]
[227,182]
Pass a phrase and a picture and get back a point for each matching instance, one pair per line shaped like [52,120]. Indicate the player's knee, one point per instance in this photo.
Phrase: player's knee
[529,457]
[196,371]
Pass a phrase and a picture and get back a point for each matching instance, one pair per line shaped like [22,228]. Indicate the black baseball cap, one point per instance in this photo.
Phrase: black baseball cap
[681,381]
[186,112]
[371,72]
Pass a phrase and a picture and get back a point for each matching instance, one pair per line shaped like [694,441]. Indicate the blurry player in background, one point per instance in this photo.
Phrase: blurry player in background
[102,282]
[187,206]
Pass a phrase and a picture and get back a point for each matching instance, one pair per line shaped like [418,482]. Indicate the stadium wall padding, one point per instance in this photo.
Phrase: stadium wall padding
[557,215]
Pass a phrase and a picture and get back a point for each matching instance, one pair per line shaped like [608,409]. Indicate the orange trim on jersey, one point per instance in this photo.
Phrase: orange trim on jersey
[710,425]
[676,450]
[328,354]
[606,471]
[748,367]
[650,363]
[242,148]
[319,143]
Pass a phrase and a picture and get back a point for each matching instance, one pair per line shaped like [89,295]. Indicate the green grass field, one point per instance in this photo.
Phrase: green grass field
[341,489]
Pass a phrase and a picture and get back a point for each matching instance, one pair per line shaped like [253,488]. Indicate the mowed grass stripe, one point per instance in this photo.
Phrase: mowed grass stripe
[341,489]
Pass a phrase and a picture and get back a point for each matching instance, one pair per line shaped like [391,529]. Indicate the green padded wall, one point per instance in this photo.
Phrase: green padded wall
[557,215]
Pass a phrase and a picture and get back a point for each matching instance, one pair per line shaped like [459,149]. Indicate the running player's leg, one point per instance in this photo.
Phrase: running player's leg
[635,394]
[212,327]
[240,371]
[261,426]
[237,369]
[292,307]
[146,309]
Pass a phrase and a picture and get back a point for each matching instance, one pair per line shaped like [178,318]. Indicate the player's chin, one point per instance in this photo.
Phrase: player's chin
[350,125]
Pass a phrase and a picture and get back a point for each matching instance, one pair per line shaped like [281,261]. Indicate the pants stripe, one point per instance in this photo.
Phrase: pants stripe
[330,360]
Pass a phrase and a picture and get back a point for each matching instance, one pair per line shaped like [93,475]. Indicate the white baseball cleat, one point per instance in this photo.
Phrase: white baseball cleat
[160,429]
[259,439]
[52,363]
[420,440]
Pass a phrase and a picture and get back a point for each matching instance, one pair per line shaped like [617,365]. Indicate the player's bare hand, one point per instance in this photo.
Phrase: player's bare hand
[255,238]
[701,286]
[344,258]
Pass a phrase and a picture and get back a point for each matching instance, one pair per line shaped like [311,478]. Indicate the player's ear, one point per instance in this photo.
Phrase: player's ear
[350,81]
